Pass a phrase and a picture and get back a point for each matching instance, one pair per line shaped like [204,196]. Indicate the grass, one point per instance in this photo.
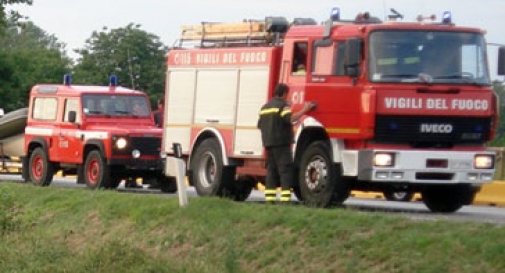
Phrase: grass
[78,230]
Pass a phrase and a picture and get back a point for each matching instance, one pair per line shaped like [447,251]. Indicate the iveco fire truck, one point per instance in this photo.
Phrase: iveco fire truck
[401,106]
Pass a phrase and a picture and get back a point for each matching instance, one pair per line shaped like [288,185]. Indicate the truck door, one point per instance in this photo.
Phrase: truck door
[294,67]
[338,97]
[68,143]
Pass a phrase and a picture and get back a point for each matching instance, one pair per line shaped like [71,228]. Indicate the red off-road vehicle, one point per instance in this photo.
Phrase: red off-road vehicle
[104,134]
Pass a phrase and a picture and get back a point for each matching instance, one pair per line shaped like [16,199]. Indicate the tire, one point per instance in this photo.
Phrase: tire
[96,171]
[296,187]
[113,183]
[115,178]
[447,198]
[80,175]
[210,177]
[40,170]
[321,182]
[399,196]
[241,188]
[167,184]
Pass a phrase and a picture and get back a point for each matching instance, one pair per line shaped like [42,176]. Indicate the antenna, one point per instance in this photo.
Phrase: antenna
[395,16]
[384,9]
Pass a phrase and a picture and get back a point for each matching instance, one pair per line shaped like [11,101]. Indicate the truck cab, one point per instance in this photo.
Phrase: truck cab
[402,106]
[104,134]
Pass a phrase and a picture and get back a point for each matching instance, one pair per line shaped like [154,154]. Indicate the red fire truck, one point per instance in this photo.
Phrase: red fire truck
[104,134]
[401,106]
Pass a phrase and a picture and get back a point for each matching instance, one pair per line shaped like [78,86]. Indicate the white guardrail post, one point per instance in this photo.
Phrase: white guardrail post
[175,166]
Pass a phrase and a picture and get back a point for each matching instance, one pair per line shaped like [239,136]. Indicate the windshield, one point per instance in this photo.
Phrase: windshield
[115,105]
[428,56]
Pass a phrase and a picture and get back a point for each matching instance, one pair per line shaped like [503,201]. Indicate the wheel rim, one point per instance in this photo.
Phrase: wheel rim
[207,169]
[37,167]
[400,195]
[93,171]
[316,174]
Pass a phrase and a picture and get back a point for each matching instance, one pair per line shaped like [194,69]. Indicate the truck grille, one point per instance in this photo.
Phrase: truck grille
[146,145]
[431,131]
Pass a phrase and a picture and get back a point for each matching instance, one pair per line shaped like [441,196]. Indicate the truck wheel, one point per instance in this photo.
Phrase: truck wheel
[113,182]
[96,171]
[446,198]
[241,188]
[211,178]
[80,175]
[296,186]
[400,196]
[41,171]
[167,184]
[321,182]
[115,178]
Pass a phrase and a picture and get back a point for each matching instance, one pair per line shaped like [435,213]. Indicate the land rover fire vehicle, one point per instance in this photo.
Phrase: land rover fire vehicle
[104,134]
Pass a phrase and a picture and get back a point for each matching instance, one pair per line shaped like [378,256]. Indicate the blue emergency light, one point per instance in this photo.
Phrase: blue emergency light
[335,14]
[113,80]
[67,79]
[447,17]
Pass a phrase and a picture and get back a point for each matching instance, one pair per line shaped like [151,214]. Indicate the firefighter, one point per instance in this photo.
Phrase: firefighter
[158,113]
[275,122]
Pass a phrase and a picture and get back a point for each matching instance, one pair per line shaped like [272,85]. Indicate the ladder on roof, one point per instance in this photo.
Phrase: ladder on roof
[246,33]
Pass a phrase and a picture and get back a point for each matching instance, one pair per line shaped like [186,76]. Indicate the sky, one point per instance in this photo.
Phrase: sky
[72,22]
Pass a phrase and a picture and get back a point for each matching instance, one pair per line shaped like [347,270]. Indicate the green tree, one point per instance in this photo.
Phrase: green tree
[135,56]
[28,55]
[499,140]
[4,17]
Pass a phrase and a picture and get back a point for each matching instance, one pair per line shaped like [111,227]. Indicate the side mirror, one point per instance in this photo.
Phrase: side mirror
[72,116]
[501,61]
[352,56]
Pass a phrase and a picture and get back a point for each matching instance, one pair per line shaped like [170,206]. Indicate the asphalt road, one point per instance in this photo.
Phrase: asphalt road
[414,210]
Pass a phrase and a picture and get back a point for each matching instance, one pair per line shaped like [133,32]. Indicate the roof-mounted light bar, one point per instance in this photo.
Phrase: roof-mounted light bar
[113,81]
[447,17]
[335,14]
[67,79]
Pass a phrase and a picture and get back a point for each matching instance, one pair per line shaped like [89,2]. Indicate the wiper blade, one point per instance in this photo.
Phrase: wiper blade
[466,78]
[457,75]
[411,78]
[399,76]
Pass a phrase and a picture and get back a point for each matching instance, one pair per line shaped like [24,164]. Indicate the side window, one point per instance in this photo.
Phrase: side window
[472,61]
[71,105]
[299,58]
[322,59]
[339,59]
[45,108]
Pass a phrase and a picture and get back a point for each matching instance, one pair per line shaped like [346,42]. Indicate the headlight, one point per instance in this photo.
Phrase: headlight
[136,153]
[383,160]
[483,162]
[121,143]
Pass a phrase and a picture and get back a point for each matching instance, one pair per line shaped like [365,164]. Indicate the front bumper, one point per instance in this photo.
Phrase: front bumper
[137,163]
[412,167]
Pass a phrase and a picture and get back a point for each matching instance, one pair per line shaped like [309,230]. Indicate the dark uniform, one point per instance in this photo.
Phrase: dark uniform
[277,136]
